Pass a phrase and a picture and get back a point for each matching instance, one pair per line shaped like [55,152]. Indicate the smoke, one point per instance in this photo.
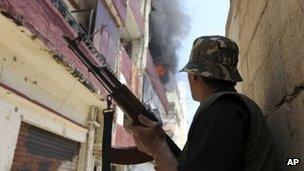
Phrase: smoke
[168,27]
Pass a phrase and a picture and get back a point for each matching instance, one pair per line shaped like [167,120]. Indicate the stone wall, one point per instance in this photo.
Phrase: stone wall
[270,35]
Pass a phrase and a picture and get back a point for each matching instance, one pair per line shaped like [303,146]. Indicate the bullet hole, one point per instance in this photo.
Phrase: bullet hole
[45,50]
[4,59]
[16,109]
[15,58]
[33,36]
[7,118]
[22,31]
[57,58]
[25,79]
[35,82]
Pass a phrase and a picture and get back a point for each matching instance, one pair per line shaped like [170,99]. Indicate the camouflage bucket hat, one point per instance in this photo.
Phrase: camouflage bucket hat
[214,57]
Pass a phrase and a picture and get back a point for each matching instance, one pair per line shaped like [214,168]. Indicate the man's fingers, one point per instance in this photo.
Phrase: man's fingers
[146,121]
[134,130]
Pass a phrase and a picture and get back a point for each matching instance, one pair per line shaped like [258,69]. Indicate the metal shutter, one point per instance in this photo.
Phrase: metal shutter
[40,150]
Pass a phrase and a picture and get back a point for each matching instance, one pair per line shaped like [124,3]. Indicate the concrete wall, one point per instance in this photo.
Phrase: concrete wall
[271,39]
[39,91]
[10,122]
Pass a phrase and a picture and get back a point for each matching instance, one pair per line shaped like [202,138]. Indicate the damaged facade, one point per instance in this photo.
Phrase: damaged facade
[51,105]
[270,36]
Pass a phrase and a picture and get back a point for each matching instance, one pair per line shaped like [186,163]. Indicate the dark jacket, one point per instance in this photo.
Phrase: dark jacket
[228,133]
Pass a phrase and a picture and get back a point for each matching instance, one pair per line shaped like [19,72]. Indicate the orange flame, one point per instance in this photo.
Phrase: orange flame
[160,70]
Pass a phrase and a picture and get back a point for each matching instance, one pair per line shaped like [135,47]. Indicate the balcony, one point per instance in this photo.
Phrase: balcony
[134,6]
[49,21]
[134,26]
[118,9]
[129,71]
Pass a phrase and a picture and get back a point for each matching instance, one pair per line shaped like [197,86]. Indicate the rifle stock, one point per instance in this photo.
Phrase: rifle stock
[125,99]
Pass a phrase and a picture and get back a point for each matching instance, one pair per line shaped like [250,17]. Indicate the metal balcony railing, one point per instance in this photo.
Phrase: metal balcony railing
[80,31]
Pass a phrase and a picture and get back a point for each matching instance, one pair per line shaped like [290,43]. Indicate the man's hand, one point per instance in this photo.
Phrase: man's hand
[151,139]
[148,138]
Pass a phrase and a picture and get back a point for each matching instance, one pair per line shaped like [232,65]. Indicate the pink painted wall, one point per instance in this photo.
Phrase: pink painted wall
[130,72]
[45,21]
[121,6]
[106,40]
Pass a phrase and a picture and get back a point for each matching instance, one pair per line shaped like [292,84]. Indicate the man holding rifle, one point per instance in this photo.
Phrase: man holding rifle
[228,132]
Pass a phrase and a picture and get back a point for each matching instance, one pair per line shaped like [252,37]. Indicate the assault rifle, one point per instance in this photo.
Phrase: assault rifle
[125,99]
